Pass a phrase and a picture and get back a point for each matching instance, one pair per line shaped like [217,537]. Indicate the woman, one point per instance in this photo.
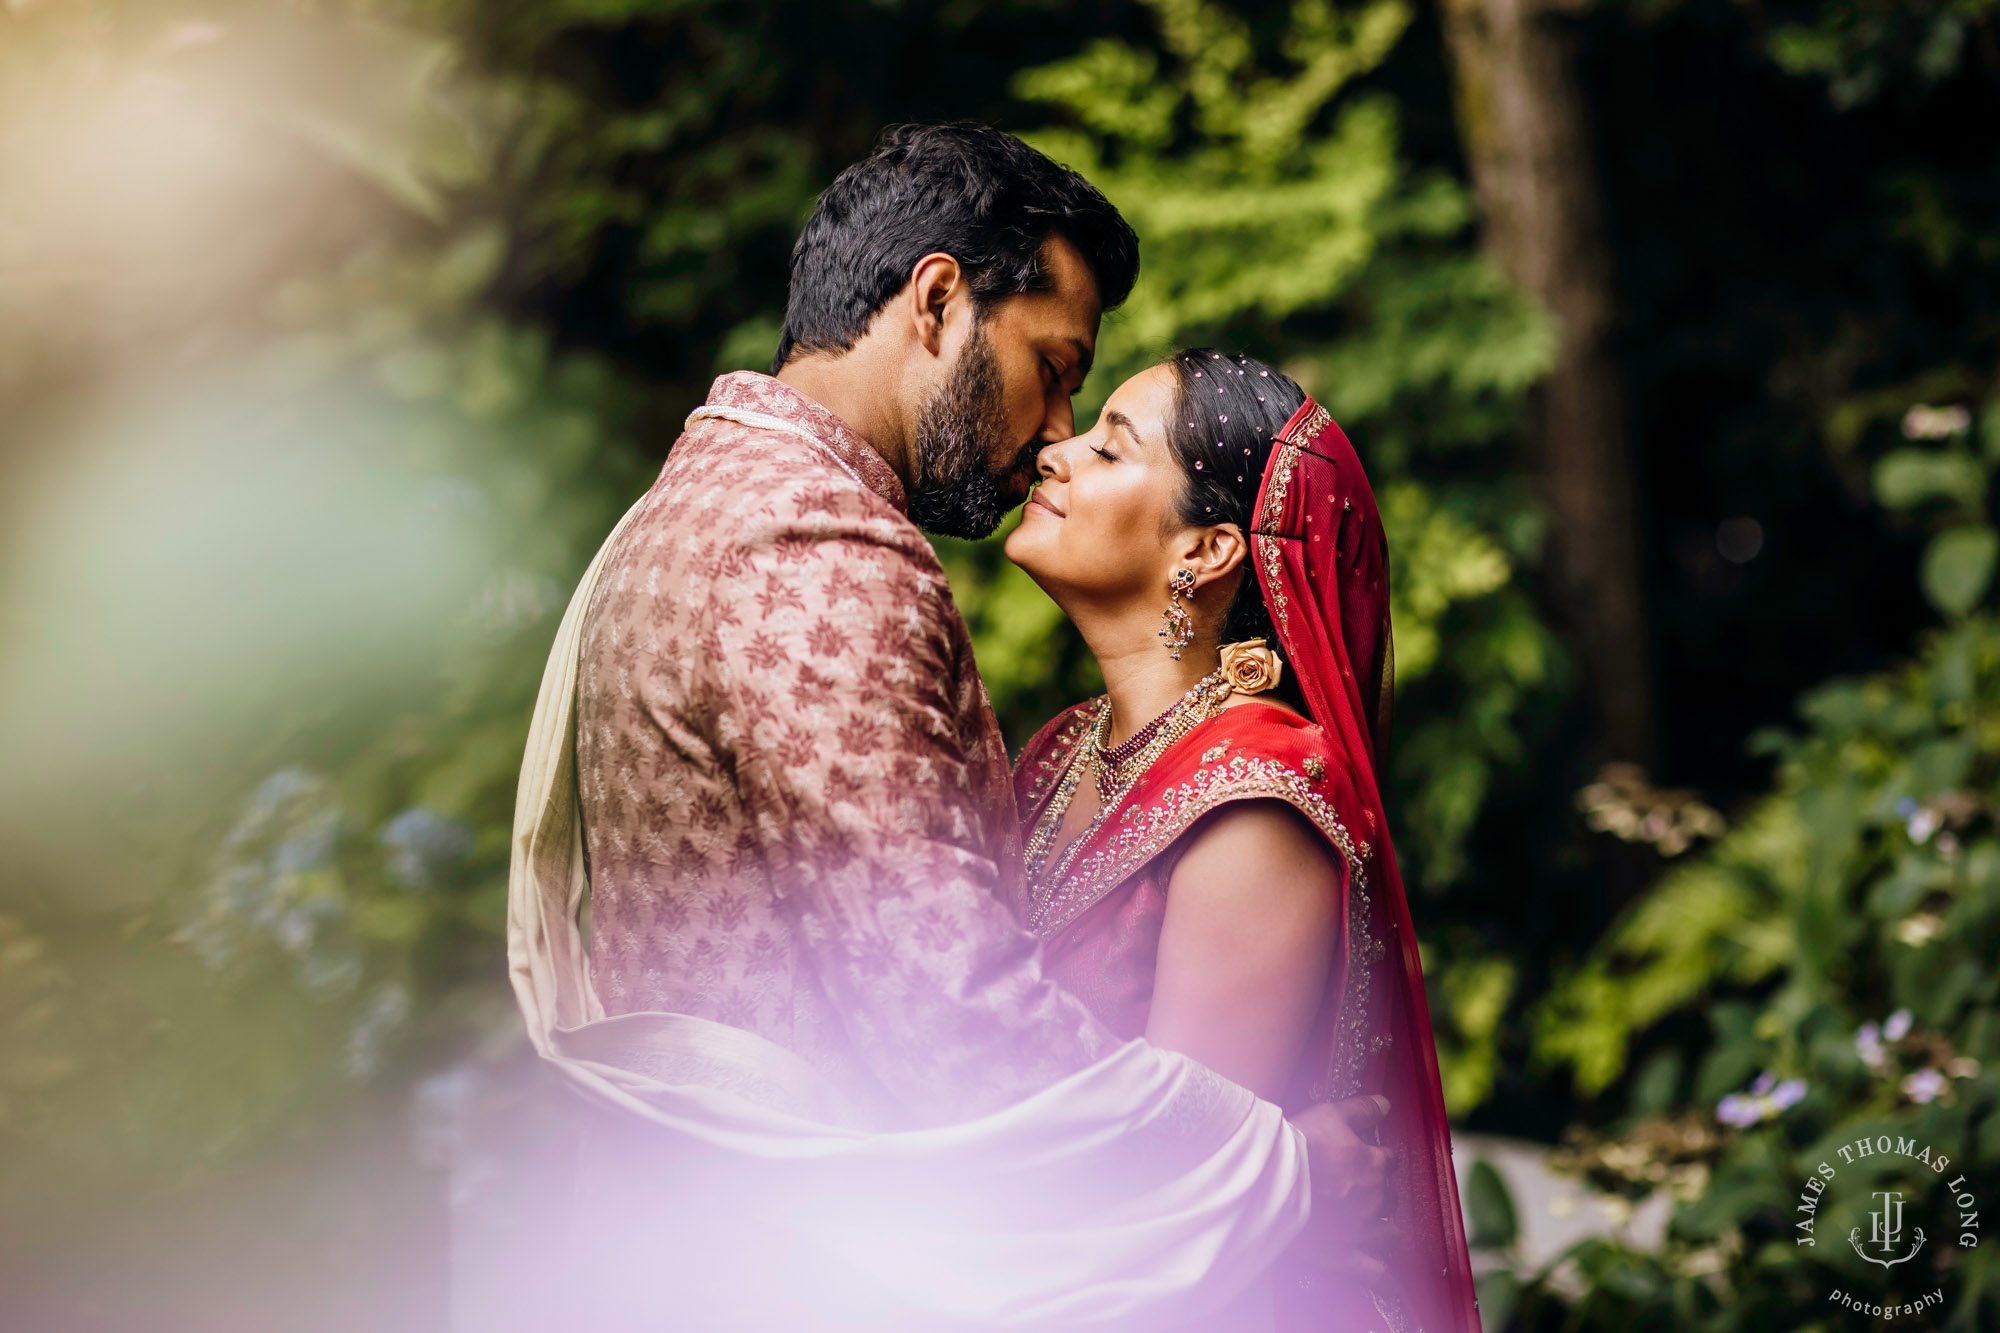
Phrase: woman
[1208,862]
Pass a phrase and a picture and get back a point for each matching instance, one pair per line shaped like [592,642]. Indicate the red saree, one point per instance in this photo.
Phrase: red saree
[1099,903]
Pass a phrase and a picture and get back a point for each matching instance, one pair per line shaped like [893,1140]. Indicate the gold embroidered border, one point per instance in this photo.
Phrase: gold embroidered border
[1347,1061]
[1269,518]
[1274,587]
[1060,767]
[1050,766]
[1147,830]
[1268,546]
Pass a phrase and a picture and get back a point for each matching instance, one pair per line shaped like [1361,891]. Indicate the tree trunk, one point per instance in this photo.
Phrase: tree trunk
[1523,122]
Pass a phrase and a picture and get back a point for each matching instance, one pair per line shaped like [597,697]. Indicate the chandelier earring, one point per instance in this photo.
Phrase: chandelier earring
[1178,630]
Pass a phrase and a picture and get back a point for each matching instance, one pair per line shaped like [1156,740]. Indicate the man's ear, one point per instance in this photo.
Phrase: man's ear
[935,283]
[1214,553]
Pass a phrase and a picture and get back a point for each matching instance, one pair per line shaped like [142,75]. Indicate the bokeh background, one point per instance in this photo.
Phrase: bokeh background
[335,335]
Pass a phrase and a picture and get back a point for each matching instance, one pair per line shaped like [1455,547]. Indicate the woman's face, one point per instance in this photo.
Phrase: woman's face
[1100,526]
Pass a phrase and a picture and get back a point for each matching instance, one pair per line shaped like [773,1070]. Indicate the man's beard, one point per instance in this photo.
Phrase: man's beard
[957,493]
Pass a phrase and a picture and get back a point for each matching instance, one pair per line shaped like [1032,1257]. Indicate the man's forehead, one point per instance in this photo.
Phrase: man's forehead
[1070,277]
[1067,309]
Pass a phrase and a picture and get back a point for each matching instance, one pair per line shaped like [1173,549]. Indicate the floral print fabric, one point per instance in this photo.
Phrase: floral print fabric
[796,800]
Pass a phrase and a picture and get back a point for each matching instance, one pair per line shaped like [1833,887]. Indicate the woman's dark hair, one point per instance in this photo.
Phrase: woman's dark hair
[973,192]
[1228,411]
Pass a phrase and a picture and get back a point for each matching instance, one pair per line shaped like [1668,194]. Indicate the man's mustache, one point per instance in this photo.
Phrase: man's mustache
[1024,464]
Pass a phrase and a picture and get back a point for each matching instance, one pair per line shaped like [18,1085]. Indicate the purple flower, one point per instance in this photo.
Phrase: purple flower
[1898,1026]
[1766,1099]
[1868,1045]
[1924,1085]
[1788,1094]
[1738,1110]
[423,846]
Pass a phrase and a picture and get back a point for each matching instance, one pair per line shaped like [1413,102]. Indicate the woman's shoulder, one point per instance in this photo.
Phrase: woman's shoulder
[1044,757]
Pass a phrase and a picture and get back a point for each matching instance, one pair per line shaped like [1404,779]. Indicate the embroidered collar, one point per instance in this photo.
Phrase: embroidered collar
[1132,832]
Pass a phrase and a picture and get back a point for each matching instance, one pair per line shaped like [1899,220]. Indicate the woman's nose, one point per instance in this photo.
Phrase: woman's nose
[1052,462]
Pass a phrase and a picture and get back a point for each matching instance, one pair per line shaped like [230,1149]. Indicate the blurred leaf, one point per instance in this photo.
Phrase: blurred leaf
[1489,1208]
[1908,477]
[1958,567]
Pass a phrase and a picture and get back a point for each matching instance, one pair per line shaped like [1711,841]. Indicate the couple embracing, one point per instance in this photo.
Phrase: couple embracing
[881,1034]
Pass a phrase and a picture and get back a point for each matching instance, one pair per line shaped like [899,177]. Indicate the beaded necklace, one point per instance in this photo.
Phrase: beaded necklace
[1118,770]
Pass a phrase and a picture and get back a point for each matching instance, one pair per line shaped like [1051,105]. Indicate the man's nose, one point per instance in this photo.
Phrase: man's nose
[1060,421]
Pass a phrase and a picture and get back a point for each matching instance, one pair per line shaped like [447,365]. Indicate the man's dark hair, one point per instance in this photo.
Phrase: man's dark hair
[964,189]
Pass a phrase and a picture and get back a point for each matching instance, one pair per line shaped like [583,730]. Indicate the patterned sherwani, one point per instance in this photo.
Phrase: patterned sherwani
[796,800]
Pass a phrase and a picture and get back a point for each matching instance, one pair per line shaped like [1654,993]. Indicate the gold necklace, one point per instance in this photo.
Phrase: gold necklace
[1120,767]
[1198,705]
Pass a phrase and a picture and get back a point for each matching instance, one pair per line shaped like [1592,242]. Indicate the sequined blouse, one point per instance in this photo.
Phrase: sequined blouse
[1100,903]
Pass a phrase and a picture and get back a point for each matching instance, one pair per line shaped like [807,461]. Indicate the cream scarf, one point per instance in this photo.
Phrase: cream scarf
[1136,1194]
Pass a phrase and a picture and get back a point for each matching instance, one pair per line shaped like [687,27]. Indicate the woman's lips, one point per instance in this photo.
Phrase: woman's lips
[1035,501]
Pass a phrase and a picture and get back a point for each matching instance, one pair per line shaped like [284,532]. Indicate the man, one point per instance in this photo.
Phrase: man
[794,793]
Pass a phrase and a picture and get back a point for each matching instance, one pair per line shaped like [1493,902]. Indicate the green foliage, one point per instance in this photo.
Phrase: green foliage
[1858,48]
[1867,884]
[277,700]
[1490,1222]
[1950,483]
[1842,935]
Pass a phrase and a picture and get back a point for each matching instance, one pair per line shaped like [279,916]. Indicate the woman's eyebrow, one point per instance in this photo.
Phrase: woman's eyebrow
[1124,423]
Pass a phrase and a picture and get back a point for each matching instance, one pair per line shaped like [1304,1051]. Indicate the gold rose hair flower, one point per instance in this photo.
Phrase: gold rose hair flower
[1250,667]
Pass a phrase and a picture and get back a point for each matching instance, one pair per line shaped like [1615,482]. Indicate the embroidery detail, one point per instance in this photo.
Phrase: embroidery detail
[1315,767]
[1268,546]
[1392,1312]
[1193,1104]
[1147,830]
[1283,461]
[1214,752]
[1051,765]
[1348,1060]
[1067,769]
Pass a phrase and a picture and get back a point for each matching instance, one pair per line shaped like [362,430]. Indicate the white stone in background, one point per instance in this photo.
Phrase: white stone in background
[1553,1210]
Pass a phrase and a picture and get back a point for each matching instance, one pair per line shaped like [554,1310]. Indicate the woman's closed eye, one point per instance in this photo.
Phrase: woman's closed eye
[1104,453]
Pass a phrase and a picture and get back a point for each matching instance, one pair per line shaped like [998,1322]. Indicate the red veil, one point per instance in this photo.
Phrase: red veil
[1322,561]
